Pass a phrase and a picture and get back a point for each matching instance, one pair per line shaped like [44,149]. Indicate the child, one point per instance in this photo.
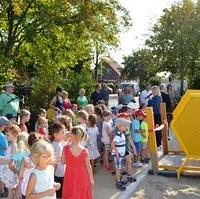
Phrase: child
[9,178]
[82,119]
[75,108]
[144,128]
[66,101]
[3,146]
[42,126]
[27,166]
[57,131]
[24,118]
[106,138]
[42,113]
[66,121]
[92,132]
[137,138]
[78,179]
[119,149]
[22,152]
[41,182]
[89,108]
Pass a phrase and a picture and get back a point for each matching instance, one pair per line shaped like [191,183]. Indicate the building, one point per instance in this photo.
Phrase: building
[109,71]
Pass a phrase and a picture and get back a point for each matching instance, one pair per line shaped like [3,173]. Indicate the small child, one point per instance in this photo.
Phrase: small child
[82,119]
[66,101]
[119,149]
[78,179]
[27,166]
[89,108]
[3,146]
[75,108]
[24,118]
[106,138]
[92,131]
[144,128]
[42,113]
[137,138]
[42,126]
[9,178]
[57,131]
[41,182]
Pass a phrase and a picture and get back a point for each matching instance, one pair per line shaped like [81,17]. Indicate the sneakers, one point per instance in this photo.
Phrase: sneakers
[131,179]
[137,164]
[145,161]
[121,186]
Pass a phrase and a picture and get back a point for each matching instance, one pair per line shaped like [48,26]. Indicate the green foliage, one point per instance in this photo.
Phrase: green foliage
[41,41]
[176,39]
[139,66]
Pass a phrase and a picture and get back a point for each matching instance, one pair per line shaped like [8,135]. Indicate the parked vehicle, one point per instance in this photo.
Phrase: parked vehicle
[133,84]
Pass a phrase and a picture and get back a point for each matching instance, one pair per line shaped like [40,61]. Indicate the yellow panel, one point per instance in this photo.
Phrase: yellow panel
[186,122]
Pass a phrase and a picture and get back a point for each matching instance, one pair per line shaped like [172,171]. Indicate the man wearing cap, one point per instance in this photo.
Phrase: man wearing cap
[9,103]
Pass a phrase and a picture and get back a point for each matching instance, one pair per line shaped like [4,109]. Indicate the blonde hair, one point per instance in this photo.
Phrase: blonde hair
[83,114]
[79,133]
[42,147]
[89,108]
[82,91]
[22,141]
[13,129]
[156,90]
[24,112]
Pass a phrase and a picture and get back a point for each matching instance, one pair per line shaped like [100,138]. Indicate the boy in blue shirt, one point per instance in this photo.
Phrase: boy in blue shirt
[137,138]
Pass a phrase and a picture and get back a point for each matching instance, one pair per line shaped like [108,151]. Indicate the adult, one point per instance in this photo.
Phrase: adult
[165,98]
[145,95]
[172,96]
[96,95]
[82,100]
[126,96]
[154,102]
[106,90]
[57,101]
[9,103]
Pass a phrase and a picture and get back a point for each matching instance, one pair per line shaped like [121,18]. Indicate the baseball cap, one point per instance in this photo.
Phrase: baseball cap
[131,105]
[123,115]
[140,113]
[4,121]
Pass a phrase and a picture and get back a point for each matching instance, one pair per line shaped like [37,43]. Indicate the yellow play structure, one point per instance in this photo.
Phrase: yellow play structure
[186,127]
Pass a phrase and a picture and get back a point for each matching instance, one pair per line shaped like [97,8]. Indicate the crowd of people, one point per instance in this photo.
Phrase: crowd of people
[59,158]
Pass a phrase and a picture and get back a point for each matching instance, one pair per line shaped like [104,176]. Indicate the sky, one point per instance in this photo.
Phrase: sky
[144,13]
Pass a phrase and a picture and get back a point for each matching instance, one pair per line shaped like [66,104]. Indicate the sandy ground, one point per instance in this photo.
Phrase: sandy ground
[159,187]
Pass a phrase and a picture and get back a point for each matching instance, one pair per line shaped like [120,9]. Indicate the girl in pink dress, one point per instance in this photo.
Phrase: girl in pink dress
[78,179]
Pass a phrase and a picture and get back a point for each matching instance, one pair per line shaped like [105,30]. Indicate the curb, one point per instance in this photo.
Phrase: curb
[133,186]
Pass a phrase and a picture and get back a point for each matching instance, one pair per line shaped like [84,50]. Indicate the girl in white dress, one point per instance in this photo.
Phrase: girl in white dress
[41,182]
[92,131]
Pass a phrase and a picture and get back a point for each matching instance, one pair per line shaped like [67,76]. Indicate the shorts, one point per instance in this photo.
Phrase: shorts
[138,147]
[144,145]
[59,180]
[118,162]
[107,147]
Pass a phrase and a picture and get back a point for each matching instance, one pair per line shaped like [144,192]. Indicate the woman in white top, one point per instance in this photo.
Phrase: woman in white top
[41,183]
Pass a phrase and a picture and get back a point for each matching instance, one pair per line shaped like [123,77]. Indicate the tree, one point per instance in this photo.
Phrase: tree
[176,38]
[41,40]
[139,66]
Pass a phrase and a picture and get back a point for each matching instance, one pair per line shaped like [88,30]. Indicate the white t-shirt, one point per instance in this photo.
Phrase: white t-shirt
[58,148]
[144,96]
[120,143]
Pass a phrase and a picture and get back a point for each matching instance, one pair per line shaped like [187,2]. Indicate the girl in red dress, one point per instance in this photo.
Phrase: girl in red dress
[78,179]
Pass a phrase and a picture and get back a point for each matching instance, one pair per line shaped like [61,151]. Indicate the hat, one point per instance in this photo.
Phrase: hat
[140,113]
[123,121]
[123,115]
[120,106]
[4,121]
[131,105]
[8,84]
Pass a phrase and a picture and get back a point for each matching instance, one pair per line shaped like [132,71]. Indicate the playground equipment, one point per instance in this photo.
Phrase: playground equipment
[186,127]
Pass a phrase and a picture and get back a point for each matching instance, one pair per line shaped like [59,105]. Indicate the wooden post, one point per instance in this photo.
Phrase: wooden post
[152,139]
[165,129]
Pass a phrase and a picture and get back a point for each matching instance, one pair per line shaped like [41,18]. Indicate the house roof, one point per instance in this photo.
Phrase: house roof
[114,65]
